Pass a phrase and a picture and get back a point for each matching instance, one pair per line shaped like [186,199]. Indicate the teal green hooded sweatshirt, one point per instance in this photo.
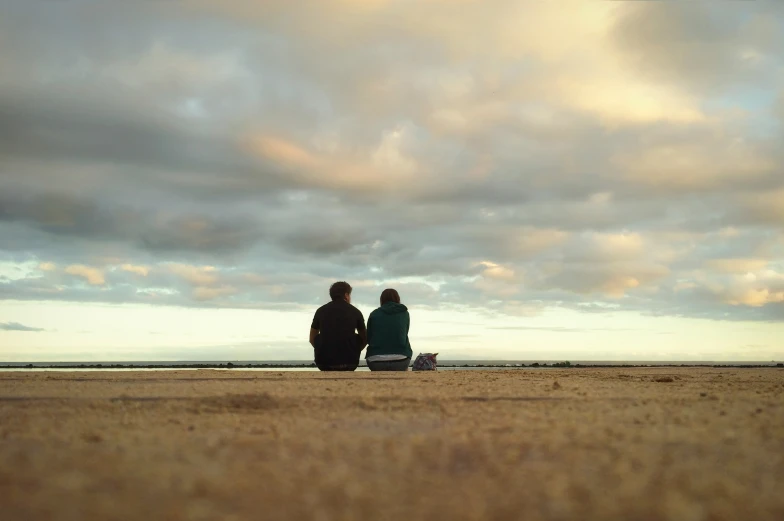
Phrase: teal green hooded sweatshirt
[387,329]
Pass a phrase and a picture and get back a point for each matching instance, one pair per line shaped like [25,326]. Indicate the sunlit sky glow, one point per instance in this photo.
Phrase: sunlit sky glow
[539,180]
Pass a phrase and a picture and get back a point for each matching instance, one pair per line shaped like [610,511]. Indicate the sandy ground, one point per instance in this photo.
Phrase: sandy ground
[632,444]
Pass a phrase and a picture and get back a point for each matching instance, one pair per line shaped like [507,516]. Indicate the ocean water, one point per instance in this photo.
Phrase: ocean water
[306,365]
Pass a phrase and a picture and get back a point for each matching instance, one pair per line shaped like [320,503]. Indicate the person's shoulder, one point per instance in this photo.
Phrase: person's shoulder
[375,312]
[323,307]
[354,308]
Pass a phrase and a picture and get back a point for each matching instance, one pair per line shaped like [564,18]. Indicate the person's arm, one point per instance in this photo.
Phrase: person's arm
[315,327]
[362,332]
[408,327]
[370,329]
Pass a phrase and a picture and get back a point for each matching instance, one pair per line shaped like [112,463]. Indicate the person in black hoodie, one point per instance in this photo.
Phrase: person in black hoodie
[336,346]
[388,346]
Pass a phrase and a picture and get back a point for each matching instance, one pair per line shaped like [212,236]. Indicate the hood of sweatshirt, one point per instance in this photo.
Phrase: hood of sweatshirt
[393,308]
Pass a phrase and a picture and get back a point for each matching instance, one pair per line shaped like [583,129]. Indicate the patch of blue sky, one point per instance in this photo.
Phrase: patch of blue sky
[758,103]
[10,270]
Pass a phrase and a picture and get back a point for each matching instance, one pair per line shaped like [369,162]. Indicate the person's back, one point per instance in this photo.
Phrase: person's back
[332,334]
[389,348]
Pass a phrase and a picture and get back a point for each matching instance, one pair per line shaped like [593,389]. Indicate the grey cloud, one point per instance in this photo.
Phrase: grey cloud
[200,234]
[779,106]
[323,239]
[611,280]
[701,303]
[16,326]
[695,43]
[152,231]
[92,129]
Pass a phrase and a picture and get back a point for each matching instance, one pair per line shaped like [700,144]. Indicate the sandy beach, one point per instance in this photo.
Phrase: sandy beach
[646,444]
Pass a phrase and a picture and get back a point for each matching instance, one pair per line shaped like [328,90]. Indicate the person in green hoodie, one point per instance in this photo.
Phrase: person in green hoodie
[388,346]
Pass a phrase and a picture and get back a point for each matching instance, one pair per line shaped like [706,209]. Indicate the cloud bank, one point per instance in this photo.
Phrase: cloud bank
[245,155]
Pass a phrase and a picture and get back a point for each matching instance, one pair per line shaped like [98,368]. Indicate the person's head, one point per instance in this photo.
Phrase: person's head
[389,295]
[340,291]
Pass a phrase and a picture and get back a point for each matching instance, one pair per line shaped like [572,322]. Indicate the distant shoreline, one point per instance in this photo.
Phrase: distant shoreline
[305,365]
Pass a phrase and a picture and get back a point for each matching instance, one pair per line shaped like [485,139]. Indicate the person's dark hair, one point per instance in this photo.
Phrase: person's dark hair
[389,295]
[339,289]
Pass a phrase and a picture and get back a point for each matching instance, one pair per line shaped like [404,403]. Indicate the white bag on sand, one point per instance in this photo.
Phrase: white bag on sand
[425,362]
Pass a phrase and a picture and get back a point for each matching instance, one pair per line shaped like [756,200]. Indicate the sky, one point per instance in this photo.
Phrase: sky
[539,180]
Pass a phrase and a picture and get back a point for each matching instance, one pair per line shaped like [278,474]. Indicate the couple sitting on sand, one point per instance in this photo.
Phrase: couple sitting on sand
[338,333]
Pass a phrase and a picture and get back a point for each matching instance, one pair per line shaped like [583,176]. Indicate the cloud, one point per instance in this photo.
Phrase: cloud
[695,44]
[139,270]
[16,326]
[92,275]
[60,127]
[735,265]
[158,230]
[762,208]
[754,288]
[244,154]
[495,271]
[195,275]
[204,293]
